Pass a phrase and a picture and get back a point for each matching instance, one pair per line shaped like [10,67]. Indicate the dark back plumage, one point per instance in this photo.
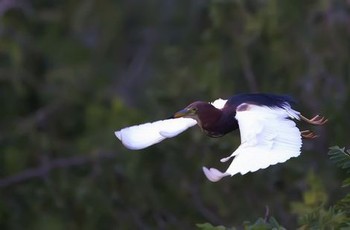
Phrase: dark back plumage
[266,99]
[228,122]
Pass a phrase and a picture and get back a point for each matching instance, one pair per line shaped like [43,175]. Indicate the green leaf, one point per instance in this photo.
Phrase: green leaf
[262,224]
[207,226]
[340,157]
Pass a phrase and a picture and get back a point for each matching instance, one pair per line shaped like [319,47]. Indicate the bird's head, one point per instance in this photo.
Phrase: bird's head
[192,110]
[203,112]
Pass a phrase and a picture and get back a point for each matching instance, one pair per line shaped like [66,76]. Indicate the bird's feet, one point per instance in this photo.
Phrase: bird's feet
[307,134]
[316,120]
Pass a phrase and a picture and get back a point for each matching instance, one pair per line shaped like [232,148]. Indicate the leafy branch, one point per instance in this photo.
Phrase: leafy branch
[340,157]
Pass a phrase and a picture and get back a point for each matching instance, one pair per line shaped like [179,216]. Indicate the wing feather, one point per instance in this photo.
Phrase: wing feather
[219,103]
[144,135]
[268,137]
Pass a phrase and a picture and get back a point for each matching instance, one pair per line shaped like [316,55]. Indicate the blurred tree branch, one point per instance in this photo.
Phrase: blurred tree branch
[201,207]
[248,72]
[48,166]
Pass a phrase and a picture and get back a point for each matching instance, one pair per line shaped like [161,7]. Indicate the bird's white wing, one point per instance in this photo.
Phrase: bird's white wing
[144,135]
[219,103]
[268,137]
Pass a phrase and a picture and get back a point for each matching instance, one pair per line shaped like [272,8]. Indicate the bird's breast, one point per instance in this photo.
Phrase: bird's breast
[220,128]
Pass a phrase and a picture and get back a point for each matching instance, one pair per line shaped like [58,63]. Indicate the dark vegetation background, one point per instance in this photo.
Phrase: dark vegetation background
[73,72]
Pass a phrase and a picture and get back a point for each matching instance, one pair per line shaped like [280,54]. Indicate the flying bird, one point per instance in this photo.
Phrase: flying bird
[266,123]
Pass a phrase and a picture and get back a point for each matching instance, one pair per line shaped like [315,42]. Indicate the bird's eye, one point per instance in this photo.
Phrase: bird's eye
[194,110]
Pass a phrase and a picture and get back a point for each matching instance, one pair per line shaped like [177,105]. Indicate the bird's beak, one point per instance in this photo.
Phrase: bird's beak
[181,113]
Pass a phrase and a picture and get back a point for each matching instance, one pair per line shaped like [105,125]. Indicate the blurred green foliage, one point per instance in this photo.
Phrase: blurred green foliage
[313,211]
[73,72]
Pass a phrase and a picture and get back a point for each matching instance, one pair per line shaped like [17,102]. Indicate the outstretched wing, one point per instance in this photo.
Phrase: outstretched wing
[268,137]
[144,135]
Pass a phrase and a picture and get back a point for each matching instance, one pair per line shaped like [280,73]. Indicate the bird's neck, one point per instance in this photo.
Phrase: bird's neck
[210,117]
[216,122]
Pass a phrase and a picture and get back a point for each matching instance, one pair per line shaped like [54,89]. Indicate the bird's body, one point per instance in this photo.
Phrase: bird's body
[268,133]
[217,122]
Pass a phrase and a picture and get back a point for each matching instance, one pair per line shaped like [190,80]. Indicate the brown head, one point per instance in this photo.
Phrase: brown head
[203,112]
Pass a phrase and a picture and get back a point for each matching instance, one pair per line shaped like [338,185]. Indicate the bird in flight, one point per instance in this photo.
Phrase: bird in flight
[266,123]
